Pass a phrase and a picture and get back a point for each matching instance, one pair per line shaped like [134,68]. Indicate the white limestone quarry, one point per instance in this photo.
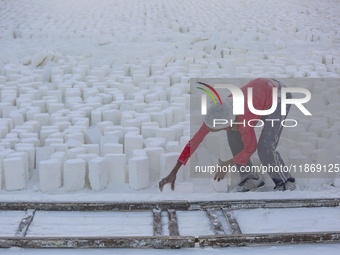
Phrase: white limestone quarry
[115,85]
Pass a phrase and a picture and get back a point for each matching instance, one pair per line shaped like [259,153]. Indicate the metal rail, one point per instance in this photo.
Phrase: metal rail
[100,242]
[269,239]
[179,205]
[174,240]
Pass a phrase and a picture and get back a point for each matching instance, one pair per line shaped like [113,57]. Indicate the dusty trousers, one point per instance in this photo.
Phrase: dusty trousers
[266,145]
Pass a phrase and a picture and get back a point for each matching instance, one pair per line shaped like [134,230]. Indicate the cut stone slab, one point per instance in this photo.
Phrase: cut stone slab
[93,135]
[74,174]
[49,175]
[139,173]
[98,173]
[14,170]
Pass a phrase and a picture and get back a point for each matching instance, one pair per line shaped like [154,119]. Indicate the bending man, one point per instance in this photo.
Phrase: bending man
[242,138]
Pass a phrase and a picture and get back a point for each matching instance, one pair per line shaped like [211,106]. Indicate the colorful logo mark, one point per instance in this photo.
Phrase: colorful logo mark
[209,93]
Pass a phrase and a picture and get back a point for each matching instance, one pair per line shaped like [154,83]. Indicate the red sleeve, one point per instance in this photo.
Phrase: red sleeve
[192,145]
[249,139]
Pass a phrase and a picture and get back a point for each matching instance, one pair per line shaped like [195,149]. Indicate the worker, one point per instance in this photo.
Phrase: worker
[242,139]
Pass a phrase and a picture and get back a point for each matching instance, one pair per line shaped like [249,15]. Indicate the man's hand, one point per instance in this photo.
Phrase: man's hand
[220,175]
[171,178]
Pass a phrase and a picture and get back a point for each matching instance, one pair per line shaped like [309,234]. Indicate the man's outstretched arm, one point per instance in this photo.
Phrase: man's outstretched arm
[188,150]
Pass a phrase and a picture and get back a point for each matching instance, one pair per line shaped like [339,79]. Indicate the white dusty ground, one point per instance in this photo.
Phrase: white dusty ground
[115,74]
[329,249]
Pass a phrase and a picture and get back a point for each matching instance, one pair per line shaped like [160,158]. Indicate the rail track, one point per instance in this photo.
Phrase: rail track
[173,240]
